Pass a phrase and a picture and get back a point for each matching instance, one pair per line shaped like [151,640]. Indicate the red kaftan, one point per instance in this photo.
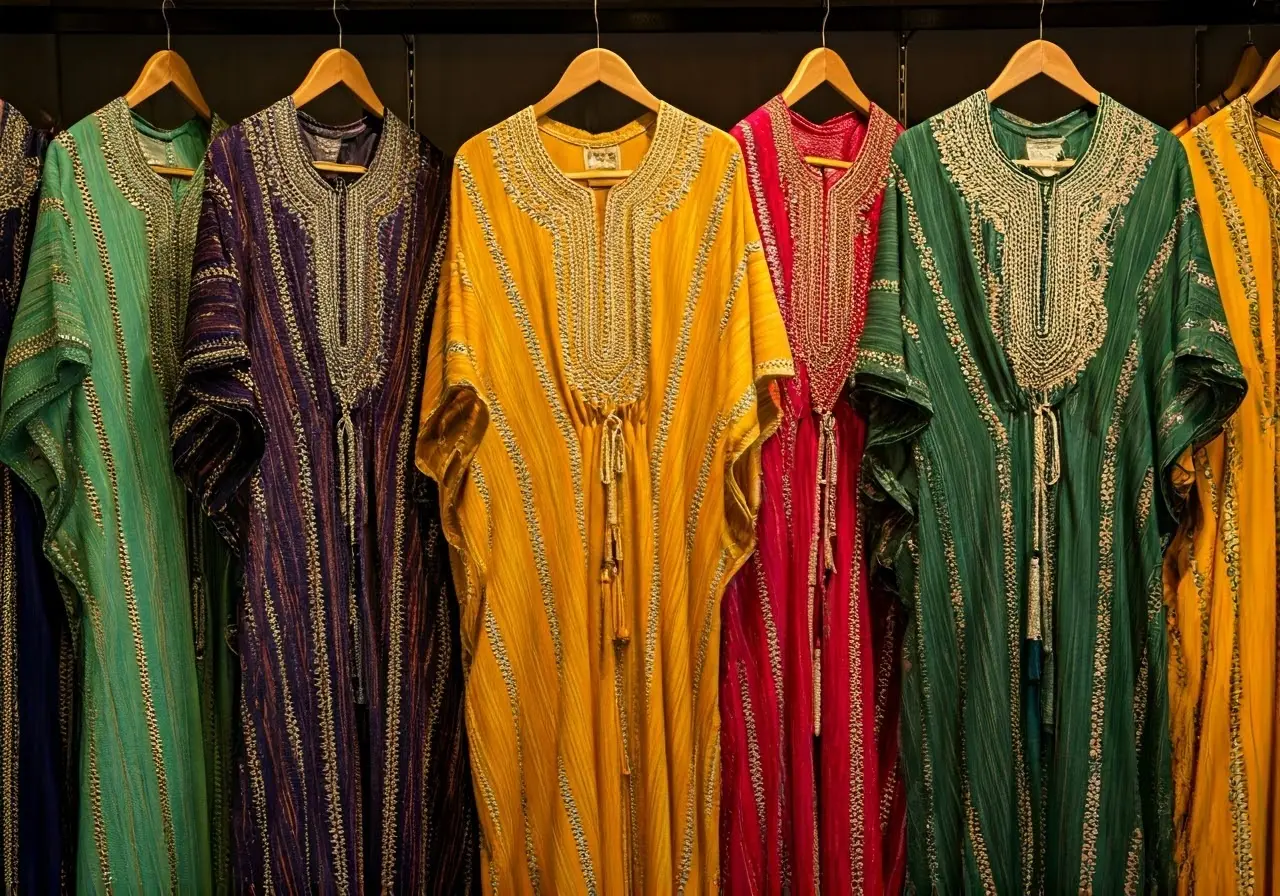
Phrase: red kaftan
[808,661]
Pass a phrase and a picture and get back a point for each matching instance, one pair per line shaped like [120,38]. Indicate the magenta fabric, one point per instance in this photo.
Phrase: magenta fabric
[806,646]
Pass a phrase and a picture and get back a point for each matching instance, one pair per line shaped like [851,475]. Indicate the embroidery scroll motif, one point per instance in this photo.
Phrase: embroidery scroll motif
[1049,339]
[604,326]
[830,268]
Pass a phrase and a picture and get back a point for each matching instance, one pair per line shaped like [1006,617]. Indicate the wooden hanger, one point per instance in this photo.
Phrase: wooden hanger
[1267,82]
[597,66]
[167,69]
[339,67]
[1042,57]
[824,66]
[1247,70]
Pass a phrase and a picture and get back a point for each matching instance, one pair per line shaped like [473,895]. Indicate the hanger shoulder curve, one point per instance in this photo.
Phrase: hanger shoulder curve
[1042,57]
[334,67]
[824,65]
[166,68]
[1267,82]
[597,66]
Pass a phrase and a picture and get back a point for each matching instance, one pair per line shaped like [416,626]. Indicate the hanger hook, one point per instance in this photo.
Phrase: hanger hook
[339,21]
[1042,2]
[826,11]
[595,13]
[164,12]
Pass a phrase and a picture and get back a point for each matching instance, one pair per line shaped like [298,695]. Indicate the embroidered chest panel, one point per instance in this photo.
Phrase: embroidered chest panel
[603,277]
[171,234]
[349,228]
[1047,293]
[19,177]
[832,250]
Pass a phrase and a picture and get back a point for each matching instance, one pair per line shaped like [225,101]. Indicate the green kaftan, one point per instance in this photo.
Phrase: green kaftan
[84,420]
[1061,335]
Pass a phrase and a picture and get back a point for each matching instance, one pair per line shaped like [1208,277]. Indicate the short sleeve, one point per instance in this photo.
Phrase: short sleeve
[1200,383]
[218,428]
[754,352]
[895,400]
[50,352]
[454,414]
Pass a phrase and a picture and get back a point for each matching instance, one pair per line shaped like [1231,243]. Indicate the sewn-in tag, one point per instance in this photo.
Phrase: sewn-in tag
[602,158]
[1045,149]
[327,148]
[155,151]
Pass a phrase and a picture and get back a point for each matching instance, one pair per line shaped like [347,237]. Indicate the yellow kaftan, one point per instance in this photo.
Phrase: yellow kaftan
[1221,574]
[596,394]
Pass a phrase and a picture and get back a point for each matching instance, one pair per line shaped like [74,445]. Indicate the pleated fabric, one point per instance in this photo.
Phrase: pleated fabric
[598,387]
[1062,336]
[1221,584]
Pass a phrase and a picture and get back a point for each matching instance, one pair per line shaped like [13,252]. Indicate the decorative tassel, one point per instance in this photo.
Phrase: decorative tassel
[1048,470]
[612,467]
[824,542]
[349,467]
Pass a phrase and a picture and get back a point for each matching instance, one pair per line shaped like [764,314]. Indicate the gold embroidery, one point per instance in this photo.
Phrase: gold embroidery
[1133,865]
[739,275]
[829,274]
[764,216]
[171,234]
[604,327]
[857,745]
[9,718]
[319,606]
[1237,775]
[999,437]
[292,729]
[668,405]
[394,663]
[917,622]
[709,620]
[1239,238]
[257,791]
[753,755]
[19,172]
[532,347]
[126,570]
[499,649]
[579,833]
[1052,332]
[1102,636]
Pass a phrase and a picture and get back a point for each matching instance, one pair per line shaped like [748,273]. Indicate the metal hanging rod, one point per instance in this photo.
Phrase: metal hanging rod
[621,16]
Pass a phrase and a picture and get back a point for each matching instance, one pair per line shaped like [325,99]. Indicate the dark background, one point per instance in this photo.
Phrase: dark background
[721,60]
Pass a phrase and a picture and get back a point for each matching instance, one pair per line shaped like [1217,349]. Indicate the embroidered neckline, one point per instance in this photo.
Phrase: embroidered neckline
[1243,123]
[19,174]
[658,154]
[170,224]
[880,131]
[349,285]
[1048,339]
[121,126]
[602,276]
[831,263]
[992,113]
[289,119]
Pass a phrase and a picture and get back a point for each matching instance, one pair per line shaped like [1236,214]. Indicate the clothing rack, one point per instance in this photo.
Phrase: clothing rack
[647,16]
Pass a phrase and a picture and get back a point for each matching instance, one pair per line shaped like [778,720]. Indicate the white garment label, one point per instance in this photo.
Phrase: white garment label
[154,150]
[602,158]
[327,148]
[1045,149]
